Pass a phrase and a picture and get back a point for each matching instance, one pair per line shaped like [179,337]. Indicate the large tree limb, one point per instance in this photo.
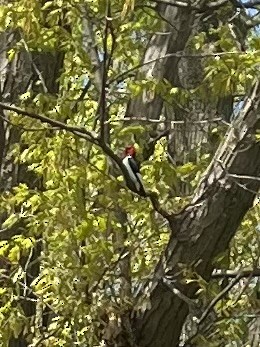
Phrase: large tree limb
[203,229]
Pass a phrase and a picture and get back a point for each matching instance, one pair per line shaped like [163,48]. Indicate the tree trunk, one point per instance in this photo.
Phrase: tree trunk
[202,230]
[187,141]
[178,24]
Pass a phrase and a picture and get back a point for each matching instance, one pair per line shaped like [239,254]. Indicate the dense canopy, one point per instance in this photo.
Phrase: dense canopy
[84,259]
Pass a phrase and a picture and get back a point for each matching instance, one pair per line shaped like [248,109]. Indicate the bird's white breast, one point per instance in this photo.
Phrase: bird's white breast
[130,171]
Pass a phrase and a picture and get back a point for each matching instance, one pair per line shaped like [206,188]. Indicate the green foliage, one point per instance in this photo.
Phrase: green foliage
[76,211]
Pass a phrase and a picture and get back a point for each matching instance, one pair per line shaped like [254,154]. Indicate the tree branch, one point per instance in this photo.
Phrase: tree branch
[80,131]
[104,127]
[234,273]
[165,121]
[38,72]
[210,307]
[248,4]
[211,5]
[218,298]
[24,128]
[203,229]
[149,147]
[182,4]
[120,77]
[93,138]
[90,47]
[243,177]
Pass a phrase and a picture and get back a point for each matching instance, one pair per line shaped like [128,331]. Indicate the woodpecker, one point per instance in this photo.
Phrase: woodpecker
[133,169]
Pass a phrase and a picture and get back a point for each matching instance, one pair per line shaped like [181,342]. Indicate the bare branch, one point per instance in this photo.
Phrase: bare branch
[90,46]
[244,177]
[24,128]
[218,298]
[157,207]
[248,4]
[164,121]
[120,77]
[211,5]
[93,138]
[38,72]
[175,3]
[204,229]
[234,273]
[211,305]
[82,95]
[104,128]
[149,147]
[80,131]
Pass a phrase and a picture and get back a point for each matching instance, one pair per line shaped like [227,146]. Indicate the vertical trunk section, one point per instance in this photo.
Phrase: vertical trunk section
[202,231]
[177,25]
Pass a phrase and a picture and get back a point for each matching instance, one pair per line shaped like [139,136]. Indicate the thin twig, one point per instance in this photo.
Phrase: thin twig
[95,139]
[30,291]
[45,89]
[163,121]
[120,77]
[245,177]
[235,273]
[80,131]
[219,297]
[245,286]
[44,338]
[102,101]
[187,4]
[25,270]
[24,128]
[210,5]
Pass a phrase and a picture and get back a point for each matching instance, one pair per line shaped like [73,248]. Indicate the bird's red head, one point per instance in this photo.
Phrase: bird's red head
[130,150]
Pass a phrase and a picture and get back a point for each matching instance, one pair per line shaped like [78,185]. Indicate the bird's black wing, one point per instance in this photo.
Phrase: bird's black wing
[134,165]
[136,170]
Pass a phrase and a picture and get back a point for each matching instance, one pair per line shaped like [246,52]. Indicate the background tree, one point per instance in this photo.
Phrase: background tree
[85,260]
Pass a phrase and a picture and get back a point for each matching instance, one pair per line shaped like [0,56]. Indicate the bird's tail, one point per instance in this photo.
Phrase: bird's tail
[141,189]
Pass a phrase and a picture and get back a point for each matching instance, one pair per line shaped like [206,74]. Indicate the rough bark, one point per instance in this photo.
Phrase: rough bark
[254,332]
[186,142]
[178,24]
[155,327]
[203,229]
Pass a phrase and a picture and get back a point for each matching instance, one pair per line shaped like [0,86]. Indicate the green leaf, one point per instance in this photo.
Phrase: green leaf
[135,130]
[14,254]
[11,220]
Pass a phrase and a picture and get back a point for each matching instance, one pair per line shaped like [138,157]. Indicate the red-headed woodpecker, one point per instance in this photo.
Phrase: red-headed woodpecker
[133,169]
